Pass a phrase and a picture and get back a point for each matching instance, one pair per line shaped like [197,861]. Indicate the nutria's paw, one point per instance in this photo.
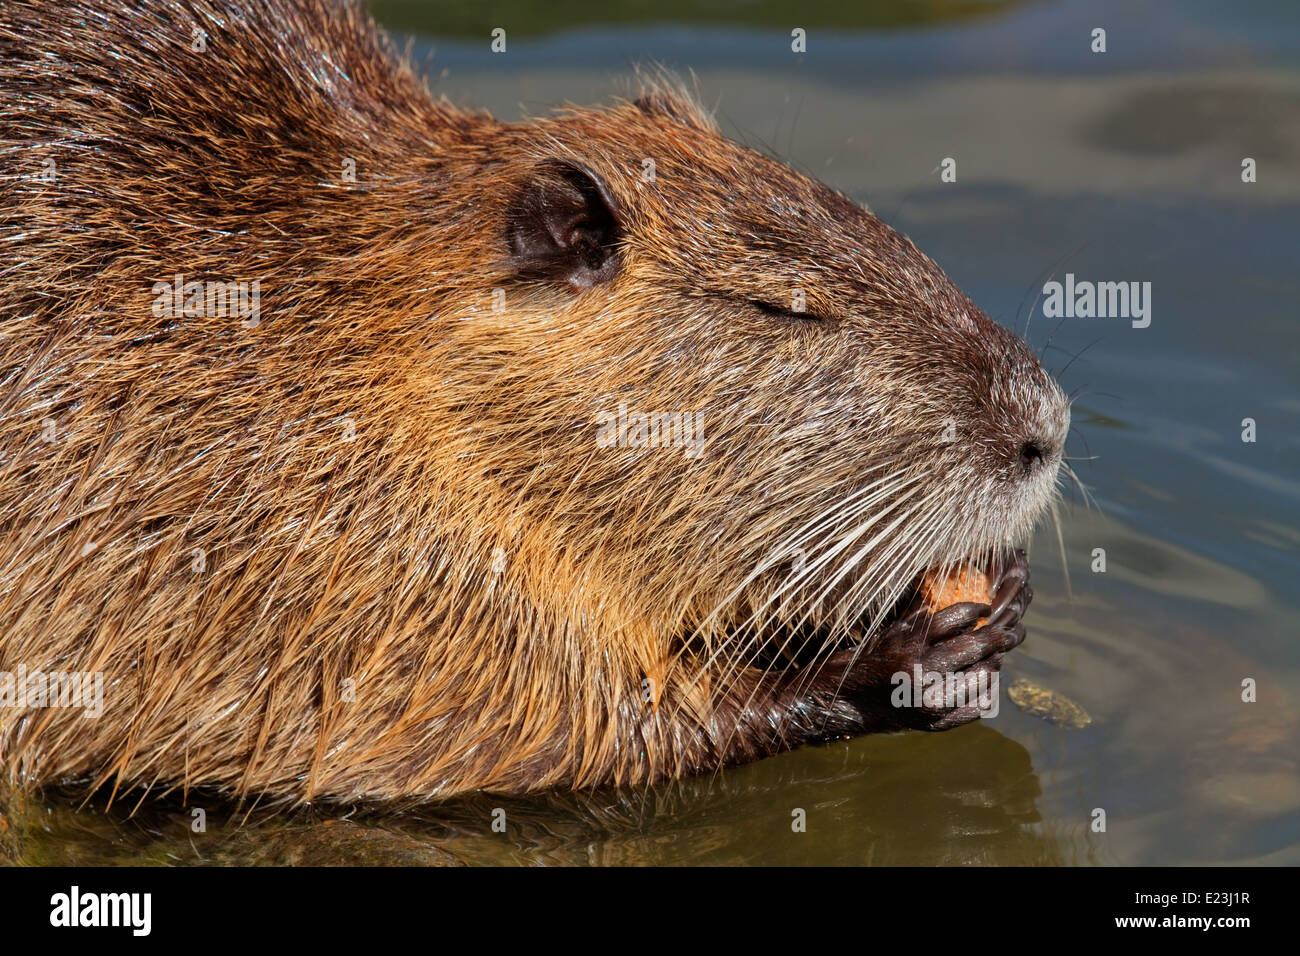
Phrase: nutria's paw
[971,656]
[963,643]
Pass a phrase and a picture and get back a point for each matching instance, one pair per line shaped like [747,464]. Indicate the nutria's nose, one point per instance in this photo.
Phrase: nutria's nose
[1031,456]
[1043,448]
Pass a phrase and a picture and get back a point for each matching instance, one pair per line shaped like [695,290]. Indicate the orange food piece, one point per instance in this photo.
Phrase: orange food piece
[965,583]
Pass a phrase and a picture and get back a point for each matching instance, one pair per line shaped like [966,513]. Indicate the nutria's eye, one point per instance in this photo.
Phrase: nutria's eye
[777,311]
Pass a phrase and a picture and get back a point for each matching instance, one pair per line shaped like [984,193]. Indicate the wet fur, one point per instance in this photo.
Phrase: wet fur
[355,468]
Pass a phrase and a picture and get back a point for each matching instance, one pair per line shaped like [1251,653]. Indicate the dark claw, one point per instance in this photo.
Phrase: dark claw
[954,619]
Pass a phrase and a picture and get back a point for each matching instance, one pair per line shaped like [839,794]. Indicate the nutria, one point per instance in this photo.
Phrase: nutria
[325,435]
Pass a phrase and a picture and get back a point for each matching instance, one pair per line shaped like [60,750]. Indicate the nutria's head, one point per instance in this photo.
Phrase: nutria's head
[850,417]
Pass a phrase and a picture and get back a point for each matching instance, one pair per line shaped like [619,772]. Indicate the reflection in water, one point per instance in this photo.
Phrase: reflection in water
[963,797]
[896,800]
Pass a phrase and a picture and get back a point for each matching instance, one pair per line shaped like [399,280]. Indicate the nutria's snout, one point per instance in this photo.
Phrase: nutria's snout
[1045,423]
[1037,449]
[1044,447]
[1045,410]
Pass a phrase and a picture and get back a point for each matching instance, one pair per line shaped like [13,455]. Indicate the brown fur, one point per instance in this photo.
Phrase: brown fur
[358,468]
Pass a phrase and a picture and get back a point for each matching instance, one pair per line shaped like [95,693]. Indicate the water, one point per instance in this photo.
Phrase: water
[1122,166]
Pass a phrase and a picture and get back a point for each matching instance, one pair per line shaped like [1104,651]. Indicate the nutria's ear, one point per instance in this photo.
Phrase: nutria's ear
[562,225]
